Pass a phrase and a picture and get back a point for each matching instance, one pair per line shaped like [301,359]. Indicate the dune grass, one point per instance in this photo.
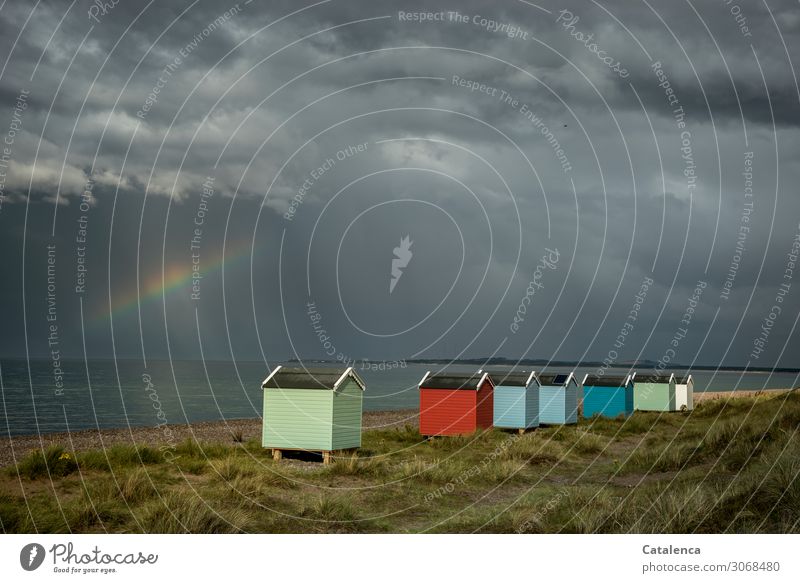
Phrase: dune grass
[727,466]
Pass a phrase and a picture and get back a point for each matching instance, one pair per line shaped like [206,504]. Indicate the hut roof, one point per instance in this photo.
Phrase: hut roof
[661,378]
[447,380]
[310,378]
[683,380]
[656,378]
[604,381]
[513,378]
[554,378]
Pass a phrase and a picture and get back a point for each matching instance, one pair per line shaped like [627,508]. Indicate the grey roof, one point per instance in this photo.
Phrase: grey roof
[309,378]
[654,378]
[604,381]
[445,380]
[683,380]
[551,379]
[511,378]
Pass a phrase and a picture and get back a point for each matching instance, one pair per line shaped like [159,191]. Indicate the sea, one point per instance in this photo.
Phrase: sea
[117,394]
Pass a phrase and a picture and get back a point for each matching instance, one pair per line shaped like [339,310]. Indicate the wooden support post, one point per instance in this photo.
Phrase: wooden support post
[522,431]
[276,455]
[326,457]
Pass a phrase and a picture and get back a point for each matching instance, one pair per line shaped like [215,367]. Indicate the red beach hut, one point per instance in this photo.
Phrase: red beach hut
[455,403]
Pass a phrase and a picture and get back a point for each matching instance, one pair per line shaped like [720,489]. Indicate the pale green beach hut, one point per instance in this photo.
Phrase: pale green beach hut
[654,392]
[312,409]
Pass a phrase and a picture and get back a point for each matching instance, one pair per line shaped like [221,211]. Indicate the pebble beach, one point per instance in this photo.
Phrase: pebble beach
[226,431]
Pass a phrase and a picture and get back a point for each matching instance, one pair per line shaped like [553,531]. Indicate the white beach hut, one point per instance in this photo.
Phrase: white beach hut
[684,393]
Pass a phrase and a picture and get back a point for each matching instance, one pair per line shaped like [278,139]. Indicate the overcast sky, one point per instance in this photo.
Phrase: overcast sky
[626,195]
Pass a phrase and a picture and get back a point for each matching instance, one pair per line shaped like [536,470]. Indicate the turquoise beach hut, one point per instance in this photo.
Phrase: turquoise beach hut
[516,400]
[558,398]
[608,396]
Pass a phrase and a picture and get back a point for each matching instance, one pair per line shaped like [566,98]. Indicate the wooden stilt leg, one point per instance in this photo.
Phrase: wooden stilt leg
[276,455]
[326,457]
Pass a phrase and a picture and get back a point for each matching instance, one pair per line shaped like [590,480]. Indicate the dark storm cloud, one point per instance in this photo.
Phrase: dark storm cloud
[153,97]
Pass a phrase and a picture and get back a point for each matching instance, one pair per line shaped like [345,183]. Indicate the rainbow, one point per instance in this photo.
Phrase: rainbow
[177,276]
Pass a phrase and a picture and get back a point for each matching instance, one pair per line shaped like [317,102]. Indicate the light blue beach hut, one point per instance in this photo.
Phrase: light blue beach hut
[558,398]
[610,396]
[516,400]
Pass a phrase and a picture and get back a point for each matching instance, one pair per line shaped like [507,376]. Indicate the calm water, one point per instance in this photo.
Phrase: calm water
[117,395]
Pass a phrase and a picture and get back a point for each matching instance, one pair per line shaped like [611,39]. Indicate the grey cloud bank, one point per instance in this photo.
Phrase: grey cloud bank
[636,139]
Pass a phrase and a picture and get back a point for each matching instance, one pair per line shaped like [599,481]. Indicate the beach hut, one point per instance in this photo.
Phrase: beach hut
[312,409]
[654,393]
[516,400]
[454,403]
[607,396]
[684,393]
[558,398]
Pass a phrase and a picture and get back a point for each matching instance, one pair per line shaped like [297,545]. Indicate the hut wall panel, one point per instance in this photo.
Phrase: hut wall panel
[532,406]
[571,404]
[485,406]
[607,401]
[347,407]
[552,405]
[297,419]
[683,396]
[649,396]
[510,407]
[654,397]
[446,412]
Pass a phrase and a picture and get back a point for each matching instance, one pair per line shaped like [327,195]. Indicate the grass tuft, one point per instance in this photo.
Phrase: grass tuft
[54,462]
[180,513]
[353,465]
[535,451]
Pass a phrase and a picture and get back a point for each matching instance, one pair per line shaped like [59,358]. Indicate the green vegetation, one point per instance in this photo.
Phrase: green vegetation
[728,466]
